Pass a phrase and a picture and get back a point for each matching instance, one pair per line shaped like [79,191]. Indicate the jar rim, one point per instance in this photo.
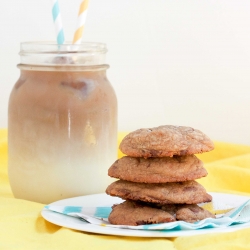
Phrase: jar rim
[50,53]
[67,47]
[63,68]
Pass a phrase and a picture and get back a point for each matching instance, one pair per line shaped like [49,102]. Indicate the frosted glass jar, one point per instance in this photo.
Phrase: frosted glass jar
[62,122]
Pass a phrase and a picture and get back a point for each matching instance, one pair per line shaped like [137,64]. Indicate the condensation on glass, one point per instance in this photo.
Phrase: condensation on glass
[62,122]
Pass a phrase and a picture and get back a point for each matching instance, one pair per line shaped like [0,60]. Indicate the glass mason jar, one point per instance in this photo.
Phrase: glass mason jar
[62,122]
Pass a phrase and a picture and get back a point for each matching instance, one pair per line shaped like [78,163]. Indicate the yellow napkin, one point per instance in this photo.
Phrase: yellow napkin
[22,227]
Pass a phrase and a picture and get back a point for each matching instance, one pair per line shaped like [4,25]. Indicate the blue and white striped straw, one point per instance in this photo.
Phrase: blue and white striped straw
[58,22]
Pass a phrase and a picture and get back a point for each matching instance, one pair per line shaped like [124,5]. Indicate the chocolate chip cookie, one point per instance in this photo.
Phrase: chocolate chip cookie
[158,170]
[188,192]
[139,213]
[136,213]
[192,213]
[189,213]
[165,141]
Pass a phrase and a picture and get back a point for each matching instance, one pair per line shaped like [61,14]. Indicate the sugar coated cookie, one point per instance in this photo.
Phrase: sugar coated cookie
[165,141]
[158,170]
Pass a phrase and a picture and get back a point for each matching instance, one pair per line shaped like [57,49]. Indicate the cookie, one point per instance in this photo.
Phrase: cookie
[136,213]
[165,141]
[139,213]
[189,213]
[192,213]
[188,192]
[158,170]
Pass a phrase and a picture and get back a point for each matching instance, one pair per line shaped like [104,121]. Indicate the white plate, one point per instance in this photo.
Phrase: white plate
[104,200]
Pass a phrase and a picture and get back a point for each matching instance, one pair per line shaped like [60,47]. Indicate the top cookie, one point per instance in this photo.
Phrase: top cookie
[165,141]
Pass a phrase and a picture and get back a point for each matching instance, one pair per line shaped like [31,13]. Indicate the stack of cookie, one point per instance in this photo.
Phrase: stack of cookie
[157,177]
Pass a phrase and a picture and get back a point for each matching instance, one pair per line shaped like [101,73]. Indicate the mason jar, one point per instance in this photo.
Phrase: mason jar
[62,122]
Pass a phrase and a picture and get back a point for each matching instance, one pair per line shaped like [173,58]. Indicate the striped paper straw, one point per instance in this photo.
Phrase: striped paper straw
[58,22]
[80,22]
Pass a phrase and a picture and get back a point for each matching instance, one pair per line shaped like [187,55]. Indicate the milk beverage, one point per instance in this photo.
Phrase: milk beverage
[62,130]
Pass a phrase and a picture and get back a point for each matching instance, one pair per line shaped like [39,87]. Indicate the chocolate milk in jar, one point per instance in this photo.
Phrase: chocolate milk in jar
[62,127]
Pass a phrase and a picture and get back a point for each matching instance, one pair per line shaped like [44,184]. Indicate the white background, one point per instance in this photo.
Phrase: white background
[180,62]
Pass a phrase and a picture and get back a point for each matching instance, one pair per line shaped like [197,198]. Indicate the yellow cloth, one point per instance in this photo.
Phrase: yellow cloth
[22,227]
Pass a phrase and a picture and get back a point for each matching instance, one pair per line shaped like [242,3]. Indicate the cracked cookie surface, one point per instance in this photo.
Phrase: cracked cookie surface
[136,213]
[188,192]
[165,141]
[158,170]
